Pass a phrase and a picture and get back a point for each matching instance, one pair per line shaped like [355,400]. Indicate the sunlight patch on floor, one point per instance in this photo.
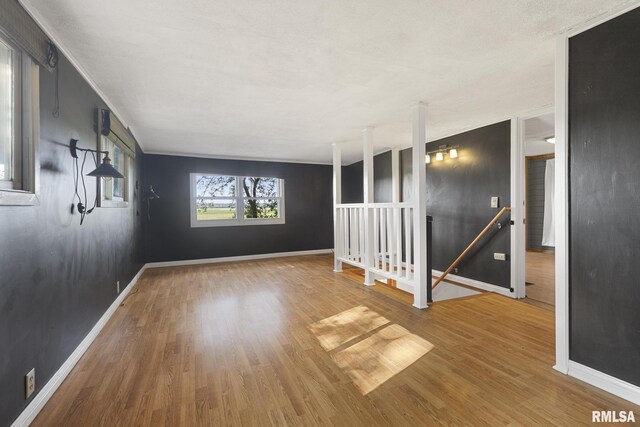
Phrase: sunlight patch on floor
[336,330]
[371,361]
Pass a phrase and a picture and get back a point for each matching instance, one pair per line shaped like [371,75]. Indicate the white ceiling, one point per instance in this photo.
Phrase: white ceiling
[286,79]
[536,129]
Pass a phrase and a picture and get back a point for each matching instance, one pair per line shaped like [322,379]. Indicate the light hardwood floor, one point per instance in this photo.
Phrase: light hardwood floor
[540,277]
[288,342]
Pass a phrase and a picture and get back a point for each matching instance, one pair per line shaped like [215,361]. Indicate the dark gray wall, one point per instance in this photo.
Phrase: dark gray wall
[536,170]
[458,198]
[352,189]
[57,278]
[308,210]
[604,126]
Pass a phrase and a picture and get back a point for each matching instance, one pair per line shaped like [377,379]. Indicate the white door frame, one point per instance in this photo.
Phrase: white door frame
[518,202]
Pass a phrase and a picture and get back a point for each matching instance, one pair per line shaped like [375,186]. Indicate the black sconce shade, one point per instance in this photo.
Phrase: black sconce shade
[106,170]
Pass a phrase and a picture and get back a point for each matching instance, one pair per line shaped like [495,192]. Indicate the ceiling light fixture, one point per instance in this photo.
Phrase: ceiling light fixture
[551,140]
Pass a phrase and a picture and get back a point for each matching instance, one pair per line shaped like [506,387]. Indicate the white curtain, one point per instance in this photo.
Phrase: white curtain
[548,224]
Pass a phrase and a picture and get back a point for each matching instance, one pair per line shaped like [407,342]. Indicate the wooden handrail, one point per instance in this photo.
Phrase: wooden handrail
[475,241]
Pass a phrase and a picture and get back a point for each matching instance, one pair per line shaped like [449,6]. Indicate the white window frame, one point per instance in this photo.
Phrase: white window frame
[23,188]
[240,198]
[121,202]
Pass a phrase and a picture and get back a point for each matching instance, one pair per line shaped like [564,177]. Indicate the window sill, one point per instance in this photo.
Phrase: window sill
[234,223]
[18,198]
[113,204]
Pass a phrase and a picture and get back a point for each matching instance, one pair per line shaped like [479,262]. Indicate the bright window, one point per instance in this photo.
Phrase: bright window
[8,112]
[114,192]
[19,125]
[219,200]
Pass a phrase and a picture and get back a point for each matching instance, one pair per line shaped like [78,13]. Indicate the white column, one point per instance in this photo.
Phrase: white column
[420,209]
[367,181]
[395,175]
[337,199]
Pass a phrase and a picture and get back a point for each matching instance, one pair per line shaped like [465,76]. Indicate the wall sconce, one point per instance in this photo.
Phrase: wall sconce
[149,194]
[105,170]
[440,152]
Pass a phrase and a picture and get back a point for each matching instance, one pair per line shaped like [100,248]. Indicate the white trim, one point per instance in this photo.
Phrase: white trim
[562,202]
[605,382]
[38,18]
[235,258]
[518,202]
[476,284]
[517,270]
[18,198]
[40,400]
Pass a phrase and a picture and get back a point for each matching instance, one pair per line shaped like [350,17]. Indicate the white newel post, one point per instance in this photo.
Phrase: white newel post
[395,175]
[337,199]
[367,160]
[420,209]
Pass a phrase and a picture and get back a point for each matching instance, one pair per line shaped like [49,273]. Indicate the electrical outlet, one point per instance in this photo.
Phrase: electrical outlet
[495,202]
[455,270]
[499,256]
[29,383]
[118,286]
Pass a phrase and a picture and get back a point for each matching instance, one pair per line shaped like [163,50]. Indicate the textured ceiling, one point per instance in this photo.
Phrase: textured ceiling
[286,79]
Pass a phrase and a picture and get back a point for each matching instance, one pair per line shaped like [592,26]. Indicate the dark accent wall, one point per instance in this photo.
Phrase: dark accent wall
[308,210]
[604,178]
[536,171]
[57,278]
[352,188]
[458,197]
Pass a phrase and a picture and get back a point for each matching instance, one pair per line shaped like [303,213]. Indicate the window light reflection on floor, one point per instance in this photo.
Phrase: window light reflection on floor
[373,360]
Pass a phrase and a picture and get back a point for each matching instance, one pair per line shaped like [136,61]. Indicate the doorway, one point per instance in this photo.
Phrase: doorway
[539,230]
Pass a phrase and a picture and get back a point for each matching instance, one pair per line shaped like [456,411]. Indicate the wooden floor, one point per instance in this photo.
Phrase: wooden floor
[288,342]
[540,277]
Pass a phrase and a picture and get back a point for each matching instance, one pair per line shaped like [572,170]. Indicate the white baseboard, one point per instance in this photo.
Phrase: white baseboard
[605,382]
[236,258]
[477,284]
[33,409]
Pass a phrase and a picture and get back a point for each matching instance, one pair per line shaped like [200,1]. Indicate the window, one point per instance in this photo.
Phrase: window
[19,125]
[219,200]
[117,140]
[115,192]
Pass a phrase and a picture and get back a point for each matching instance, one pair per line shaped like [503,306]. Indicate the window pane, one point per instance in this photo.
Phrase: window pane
[215,186]
[213,209]
[118,163]
[261,208]
[6,110]
[260,187]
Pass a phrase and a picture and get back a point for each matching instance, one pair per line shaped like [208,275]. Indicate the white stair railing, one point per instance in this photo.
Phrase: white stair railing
[392,240]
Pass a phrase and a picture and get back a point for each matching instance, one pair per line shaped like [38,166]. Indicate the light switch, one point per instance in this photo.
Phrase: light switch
[495,201]
[499,256]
